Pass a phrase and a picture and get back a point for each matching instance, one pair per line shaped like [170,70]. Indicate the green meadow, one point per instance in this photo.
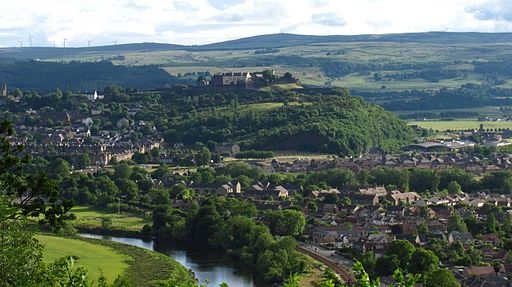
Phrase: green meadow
[139,266]
[88,217]
[92,257]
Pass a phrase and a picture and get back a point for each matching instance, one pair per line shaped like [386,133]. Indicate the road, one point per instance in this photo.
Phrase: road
[339,264]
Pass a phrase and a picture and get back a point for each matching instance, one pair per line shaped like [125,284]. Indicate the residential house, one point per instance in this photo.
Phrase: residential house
[398,211]
[437,225]
[204,187]
[491,239]
[267,205]
[376,242]
[229,188]
[266,191]
[464,237]
[399,198]
[478,202]
[349,209]
[379,190]
[233,187]
[364,199]
[328,208]
[322,193]
[441,211]
[479,271]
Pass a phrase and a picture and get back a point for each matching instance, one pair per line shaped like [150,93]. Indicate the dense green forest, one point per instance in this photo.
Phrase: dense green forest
[466,96]
[82,76]
[333,122]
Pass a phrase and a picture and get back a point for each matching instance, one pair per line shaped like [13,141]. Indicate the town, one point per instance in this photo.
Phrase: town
[355,207]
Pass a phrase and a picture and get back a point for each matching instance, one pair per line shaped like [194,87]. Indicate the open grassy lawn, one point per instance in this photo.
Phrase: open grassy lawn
[90,256]
[460,125]
[91,218]
[140,266]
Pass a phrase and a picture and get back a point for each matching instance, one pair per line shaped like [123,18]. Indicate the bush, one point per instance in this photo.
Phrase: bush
[106,222]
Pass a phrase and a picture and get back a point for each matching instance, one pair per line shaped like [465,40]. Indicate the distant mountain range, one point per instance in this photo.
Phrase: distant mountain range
[260,42]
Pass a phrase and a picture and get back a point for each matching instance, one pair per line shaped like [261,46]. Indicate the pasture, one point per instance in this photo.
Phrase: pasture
[92,257]
[91,218]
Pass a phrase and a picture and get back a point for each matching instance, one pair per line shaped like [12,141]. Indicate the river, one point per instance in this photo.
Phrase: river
[206,264]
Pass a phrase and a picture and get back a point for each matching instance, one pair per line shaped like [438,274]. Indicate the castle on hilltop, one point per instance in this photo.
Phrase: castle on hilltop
[238,79]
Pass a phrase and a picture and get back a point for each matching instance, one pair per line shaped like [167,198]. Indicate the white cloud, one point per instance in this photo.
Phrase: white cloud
[205,21]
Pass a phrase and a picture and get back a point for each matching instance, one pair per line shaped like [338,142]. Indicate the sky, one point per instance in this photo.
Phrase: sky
[195,22]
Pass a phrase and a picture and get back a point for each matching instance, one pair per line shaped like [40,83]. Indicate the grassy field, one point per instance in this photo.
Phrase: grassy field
[141,267]
[313,276]
[365,83]
[90,256]
[491,111]
[460,125]
[91,218]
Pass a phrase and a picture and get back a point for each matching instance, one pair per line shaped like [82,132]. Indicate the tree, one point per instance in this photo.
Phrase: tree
[386,265]
[122,170]
[59,166]
[454,187]
[24,189]
[20,254]
[441,278]
[455,223]
[83,161]
[368,260]
[403,250]
[422,179]
[285,222]
[141,158]
[128,188]
[204,156]
[490,223]
[423,261]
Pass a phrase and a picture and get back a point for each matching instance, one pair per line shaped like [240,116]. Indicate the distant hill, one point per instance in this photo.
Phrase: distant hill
[398,71]
[290,40]
[258,42]
[45,53]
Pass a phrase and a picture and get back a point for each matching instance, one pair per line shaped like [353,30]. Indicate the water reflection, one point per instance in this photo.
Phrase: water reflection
[208,266]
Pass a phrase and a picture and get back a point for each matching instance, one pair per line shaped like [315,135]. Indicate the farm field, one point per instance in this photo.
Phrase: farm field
[460,125]
[491,111]
[92,257]
[91,218]
[364,83]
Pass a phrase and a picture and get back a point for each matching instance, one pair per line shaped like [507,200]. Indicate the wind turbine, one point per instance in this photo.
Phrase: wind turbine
[115,42]
[30,39]
[21,43]
[64,42]
[89,43]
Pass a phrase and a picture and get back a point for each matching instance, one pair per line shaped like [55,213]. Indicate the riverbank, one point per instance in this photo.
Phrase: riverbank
[89,221]
[139,266]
